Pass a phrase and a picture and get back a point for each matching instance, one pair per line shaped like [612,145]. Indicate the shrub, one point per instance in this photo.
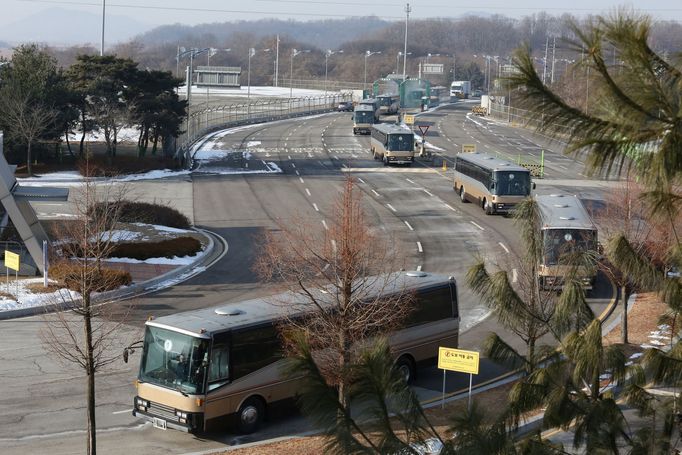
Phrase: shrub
[179,246]
[142,212]
[69,274]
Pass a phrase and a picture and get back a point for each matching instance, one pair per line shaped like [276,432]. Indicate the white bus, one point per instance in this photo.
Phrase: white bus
[204,366]
[494,184]
[566,228]
[392,144]
[364,117]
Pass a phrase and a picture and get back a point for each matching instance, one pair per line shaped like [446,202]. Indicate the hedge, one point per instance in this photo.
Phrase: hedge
[69,274]
[179,246]
[142,212]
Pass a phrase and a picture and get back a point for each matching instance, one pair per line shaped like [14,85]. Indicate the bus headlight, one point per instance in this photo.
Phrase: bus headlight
[182,415]
[142,404]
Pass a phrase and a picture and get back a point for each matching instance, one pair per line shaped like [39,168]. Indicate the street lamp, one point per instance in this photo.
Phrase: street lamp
[192,53]
[294,53]
[368,54]
[328,54]
[252,52]
[397,60]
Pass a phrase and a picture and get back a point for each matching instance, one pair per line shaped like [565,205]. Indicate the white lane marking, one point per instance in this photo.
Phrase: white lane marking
[298,173]
[307,191]
[410,181]
[289,156]
[504,247]
[293,165]
[122,412]
[324,223]
[335,157]
[514,276]
[427,192]
[334,245]
[376,193]
[315,207]
[477,225]
[409,226]
[285,144]
[419,268]
[419,247]
[360,180]
[562,167]
[391,207]
[301,179]
[450,207]
[344,165]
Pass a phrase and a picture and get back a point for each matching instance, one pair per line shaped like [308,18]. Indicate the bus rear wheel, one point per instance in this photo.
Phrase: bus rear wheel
[405,367]
[250,415]
[385,160]
[462,194]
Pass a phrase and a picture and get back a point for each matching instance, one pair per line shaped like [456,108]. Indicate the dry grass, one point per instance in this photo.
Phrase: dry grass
[38,288]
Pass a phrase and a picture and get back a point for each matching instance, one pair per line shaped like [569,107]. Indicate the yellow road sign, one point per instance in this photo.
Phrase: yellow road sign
[409,119]
[468,148]
[458,360]
[11,260]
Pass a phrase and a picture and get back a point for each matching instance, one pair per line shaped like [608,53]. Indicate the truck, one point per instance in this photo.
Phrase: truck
[460,89]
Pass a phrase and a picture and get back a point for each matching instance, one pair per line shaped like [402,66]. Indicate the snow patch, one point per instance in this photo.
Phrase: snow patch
[20,297]
[253,143]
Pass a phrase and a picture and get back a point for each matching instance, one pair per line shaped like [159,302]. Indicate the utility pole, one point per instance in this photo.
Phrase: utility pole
[544,64]
[553,55]
[408,10]
[277,62]
[101,44]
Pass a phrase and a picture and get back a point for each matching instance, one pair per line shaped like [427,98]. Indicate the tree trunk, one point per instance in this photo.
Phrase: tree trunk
[531,355]
[624,296]
[28,158]
[82,145]
[90,372]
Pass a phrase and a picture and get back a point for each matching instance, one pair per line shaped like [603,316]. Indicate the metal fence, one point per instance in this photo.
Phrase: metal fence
[202,122]
[319,84]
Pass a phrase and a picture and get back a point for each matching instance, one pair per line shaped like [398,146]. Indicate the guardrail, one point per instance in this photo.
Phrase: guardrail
[202,122]
[520,117]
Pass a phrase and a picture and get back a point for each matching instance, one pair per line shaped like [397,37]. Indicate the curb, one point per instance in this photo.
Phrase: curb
[173,277]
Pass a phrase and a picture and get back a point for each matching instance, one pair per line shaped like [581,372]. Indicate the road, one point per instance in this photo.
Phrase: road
[42,407]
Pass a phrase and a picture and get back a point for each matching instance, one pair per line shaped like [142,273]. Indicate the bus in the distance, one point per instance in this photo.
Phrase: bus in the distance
[388,104]
[496,185]
[392,144]
[568,235]
[203,367]
[363,119]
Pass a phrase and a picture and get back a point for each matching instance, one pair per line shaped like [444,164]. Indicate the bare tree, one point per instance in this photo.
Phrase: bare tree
[335,274]
[82,333]
[26,118]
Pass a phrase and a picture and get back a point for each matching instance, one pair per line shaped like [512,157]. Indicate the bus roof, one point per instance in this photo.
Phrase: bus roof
[392,128]
[563,211]
[364,107]
[491,162]
[205,321]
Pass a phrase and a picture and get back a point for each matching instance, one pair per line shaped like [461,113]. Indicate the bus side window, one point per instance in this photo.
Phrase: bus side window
[431,305]
[219,364]
[254,348]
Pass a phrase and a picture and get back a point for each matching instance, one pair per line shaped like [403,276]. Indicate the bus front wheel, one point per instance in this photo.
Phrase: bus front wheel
[250,415]
[488,207]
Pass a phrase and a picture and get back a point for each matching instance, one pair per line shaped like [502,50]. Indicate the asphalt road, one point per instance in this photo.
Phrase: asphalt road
[42,408]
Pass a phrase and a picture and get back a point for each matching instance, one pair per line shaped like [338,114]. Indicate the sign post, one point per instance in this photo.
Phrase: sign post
[458,360]
[45,265]
[12,262]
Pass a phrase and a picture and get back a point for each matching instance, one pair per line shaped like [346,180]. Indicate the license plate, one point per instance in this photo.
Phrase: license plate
[159,423]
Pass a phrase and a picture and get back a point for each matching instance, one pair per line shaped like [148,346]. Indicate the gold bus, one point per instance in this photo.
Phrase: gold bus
[392,144]
[204,366]
[566,229]
[364,117]
[494,184]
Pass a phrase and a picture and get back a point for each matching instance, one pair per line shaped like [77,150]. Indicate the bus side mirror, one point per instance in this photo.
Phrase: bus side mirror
[533,185]
[492,185]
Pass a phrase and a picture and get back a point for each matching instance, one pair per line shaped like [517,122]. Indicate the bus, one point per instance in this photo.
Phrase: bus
[363,119]
[199,368]
[389,104]
[392,144]
[495,184]
[566,228]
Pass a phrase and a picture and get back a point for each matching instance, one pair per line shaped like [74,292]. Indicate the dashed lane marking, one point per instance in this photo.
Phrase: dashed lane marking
[324,223]
[377,194]
[301,179]
[297,173]
[419,247]
[411,181]
[360,180]
[391,207]
[307,191]
[427,192]
[477,225]
[315,207]
[450,207]
[514,276]
[409,226]
[504,247]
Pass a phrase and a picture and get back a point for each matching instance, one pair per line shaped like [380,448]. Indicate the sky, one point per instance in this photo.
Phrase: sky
[158,12]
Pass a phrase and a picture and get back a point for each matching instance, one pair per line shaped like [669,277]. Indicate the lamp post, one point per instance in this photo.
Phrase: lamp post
[101,44]
[294,53]
[408,10]
[397,60]
[328,54]
[368,54]
[192,53]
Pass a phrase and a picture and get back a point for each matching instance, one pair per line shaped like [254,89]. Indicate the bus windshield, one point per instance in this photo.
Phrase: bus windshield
[558,242]
[512,183]
[364,117]
[400,142]
[174,360]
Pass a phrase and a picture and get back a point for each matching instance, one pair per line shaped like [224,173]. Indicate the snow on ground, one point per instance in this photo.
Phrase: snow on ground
[253,143]
[175,260]
[211,154]
[120,235]
[169,229]
[20,297]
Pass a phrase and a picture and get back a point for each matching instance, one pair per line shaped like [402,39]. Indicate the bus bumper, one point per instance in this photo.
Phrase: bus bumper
[504,208]
[164,417]
[400,159]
